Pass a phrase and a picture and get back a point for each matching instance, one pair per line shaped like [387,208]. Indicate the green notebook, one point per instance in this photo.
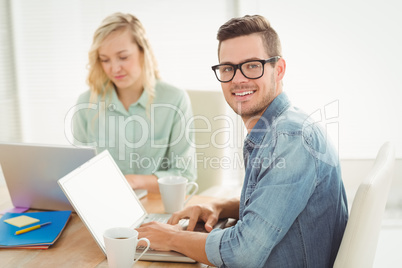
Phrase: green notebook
[40,238]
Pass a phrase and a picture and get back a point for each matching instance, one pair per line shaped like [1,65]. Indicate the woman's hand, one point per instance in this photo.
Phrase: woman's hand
[147,182]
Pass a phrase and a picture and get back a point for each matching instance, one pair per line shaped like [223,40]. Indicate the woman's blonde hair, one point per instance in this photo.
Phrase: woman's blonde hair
[97,80]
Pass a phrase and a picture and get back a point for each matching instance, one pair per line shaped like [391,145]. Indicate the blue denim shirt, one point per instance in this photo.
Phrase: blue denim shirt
[293,207]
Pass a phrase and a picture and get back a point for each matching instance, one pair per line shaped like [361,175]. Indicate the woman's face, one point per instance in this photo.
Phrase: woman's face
[121,60]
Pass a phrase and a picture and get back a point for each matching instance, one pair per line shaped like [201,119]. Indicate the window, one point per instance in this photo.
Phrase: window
[9,106]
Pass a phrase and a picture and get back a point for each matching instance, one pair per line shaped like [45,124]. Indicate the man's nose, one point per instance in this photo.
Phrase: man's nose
[239,77]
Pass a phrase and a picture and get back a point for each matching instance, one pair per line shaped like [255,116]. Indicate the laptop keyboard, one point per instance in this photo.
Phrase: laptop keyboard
[163,218]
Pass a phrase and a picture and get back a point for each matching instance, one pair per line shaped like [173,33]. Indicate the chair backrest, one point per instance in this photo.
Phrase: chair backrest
[359,242]
[209,110]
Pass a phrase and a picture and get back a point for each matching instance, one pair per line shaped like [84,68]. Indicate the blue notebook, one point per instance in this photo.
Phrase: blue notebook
[42,237]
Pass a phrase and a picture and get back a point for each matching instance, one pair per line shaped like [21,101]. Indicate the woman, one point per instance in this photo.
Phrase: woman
[142,121]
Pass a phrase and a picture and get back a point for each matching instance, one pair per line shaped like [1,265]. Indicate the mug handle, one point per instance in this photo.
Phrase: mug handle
[194,188]
[145,250]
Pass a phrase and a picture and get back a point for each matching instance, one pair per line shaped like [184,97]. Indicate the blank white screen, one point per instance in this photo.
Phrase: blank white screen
[102,197]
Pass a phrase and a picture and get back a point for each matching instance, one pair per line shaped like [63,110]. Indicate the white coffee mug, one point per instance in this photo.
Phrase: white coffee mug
[121,244]
[173,190]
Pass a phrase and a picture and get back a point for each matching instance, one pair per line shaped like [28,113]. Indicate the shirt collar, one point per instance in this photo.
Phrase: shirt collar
[264,124]
[142,101]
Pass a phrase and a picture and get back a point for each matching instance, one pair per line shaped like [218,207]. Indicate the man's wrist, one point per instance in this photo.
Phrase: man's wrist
[176,241]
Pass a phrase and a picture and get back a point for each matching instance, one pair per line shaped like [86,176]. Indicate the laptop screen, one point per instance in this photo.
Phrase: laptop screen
[31,172]
[102,196]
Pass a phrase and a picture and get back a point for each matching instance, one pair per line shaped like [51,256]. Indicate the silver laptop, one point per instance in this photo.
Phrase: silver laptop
[31,172]
[103,199]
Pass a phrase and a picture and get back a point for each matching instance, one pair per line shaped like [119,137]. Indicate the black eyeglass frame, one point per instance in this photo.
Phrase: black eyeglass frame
[238,66]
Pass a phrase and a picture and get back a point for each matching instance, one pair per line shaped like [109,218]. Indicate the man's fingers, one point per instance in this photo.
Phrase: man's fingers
[210,223]
[192,222]
[176,217]
[195,214]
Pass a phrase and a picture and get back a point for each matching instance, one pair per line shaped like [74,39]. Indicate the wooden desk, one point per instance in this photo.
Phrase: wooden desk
[76,247]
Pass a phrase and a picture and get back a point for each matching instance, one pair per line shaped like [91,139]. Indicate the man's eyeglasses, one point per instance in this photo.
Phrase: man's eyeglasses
[252,69]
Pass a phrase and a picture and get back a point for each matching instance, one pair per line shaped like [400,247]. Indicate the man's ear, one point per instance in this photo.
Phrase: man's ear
[280,69]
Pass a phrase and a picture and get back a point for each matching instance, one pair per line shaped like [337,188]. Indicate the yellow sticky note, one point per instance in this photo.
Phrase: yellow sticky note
[21,221]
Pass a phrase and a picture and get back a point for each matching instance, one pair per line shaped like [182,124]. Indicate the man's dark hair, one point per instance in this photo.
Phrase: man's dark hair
[249,25]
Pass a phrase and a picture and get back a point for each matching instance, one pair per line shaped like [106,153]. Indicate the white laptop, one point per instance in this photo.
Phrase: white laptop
[31,172]
[103,199]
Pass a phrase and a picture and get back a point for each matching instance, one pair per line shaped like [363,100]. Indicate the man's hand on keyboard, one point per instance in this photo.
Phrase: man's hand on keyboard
[158,234]
[207,213]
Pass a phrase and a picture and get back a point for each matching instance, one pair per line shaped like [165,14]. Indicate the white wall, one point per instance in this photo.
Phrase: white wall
[52,37]
[343,59]
[355,170]
[347,51]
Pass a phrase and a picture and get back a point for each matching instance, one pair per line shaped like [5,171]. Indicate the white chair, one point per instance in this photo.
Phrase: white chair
[359,242]
[209,107]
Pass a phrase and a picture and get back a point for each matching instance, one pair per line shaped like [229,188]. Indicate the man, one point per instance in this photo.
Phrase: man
[293,209]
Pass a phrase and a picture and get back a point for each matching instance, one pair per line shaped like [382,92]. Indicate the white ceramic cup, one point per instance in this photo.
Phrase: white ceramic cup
[173,190]
[121,244]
